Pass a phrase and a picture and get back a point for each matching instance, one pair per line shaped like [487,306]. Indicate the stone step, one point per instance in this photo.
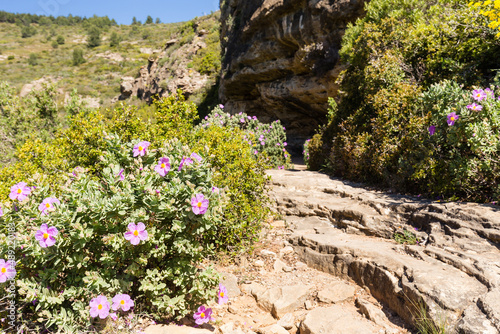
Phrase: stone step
[344,229]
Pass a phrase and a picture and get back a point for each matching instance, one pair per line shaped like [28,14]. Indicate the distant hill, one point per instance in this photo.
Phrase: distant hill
[35,49]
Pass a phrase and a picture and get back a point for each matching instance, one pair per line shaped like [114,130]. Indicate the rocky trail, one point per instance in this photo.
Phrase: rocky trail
[331,265]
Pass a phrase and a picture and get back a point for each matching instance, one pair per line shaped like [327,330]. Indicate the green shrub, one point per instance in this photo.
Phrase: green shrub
[21,119]
[78,57]
[60,40]
[238,172]
[266,139]
[91,256]
[11,57]
[93,37]
[114,40]
[28,31]
[54,45]
[33,59]
[400,55]
[242,176]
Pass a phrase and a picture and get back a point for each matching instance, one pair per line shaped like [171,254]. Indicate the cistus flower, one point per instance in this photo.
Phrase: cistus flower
[221,106]
[113,316]
[120,174]
[185,161]
[215,189]
[99,306]
[199,204]
[163,166]
[203,315]
[196,157]
[479,95]
[432,130]
[46,236]
[136,233]
[1,212]
[140,149]
[475,107]
[7,270]
[122,301]
[223,298]
[19,191]
[452,118]
[47,205]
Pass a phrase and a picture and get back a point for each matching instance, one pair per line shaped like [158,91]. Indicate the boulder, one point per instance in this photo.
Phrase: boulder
[281,300]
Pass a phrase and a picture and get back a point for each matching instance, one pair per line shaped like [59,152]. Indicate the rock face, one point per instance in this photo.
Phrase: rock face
[452,277]
[281,58]
[161,78]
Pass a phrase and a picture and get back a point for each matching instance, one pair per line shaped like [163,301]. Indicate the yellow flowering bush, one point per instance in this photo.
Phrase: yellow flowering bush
[490,9]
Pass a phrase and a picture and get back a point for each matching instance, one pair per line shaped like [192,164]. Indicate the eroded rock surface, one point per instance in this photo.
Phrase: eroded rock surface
[281,58]
[346,230]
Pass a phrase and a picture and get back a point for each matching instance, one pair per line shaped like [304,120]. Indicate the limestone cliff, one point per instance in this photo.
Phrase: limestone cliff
[281,58]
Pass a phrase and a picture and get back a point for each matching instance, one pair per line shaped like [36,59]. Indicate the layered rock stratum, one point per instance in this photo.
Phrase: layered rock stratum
[281,58]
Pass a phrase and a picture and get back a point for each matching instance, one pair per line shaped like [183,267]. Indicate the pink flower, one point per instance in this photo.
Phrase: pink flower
[120,174]
[432,130]
[185,161]
[122,301]
[478,95]
[221,106]
[46,236]
[452,118]
[47,205]
[163,166]
[140,149]
[223,298]
[203,315]
[1,212]
[196,157]
[475,107]
[215,189]
[19,191]
[7,270]
[136,233]
[199,204]
[99,306]
[113,316]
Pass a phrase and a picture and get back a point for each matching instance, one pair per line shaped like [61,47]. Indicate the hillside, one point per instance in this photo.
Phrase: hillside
[47,51]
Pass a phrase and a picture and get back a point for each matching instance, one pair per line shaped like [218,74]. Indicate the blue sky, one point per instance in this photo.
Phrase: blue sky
[120,10]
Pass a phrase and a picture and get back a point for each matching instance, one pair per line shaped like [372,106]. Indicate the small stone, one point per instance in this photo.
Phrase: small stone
[323,320]
[230,281]
[371,312]
[273,329]
[227,328]
[286,250]
[267,253]
[280,301]
[308,305]
[336,293]
[300,265]
[287,269]
[259,263]
[232,309]
[287,321]
[279,265]
[174,329]
[278,224]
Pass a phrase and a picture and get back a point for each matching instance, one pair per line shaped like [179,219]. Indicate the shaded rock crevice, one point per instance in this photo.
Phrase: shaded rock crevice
[281,59]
